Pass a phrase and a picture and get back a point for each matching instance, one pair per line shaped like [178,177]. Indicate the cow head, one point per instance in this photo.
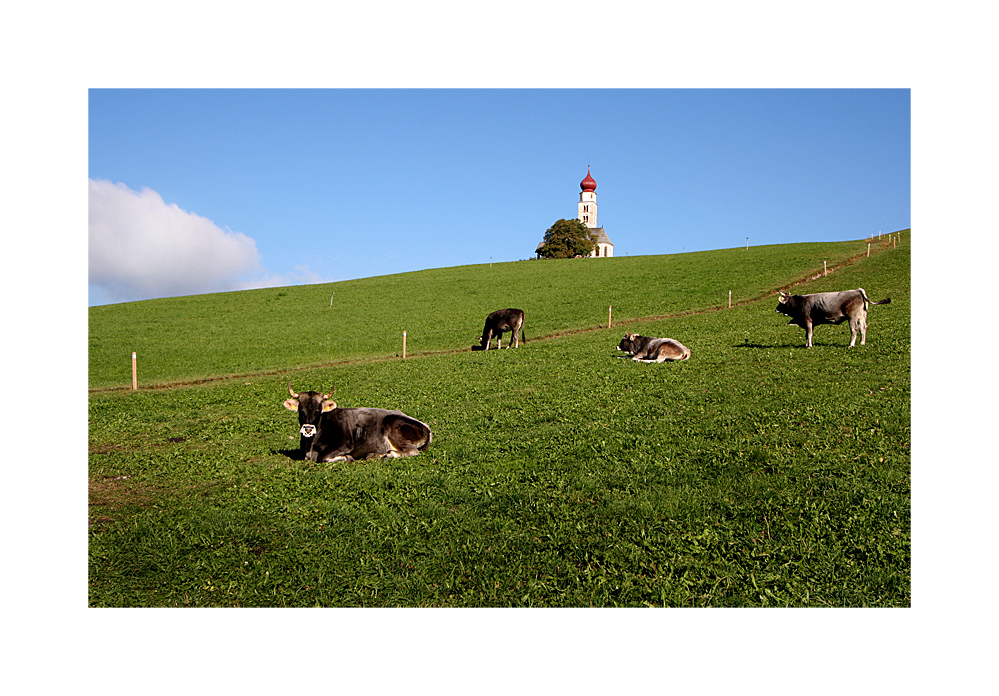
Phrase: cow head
[627,344]
[784,304]
[310,406]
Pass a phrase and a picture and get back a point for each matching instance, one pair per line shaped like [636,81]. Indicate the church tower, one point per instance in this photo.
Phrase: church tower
[588,200]
[587,212]
[588,215]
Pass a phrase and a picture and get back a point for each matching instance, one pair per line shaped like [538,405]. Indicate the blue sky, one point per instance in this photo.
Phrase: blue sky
[218,189]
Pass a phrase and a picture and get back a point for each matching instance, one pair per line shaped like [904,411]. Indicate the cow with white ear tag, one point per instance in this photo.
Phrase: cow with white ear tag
[333,434]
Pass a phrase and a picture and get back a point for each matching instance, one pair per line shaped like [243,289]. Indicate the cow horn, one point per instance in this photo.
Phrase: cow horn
[290,391]
[332,389]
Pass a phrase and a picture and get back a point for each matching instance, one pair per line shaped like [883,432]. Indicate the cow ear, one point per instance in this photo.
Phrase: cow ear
[291,404]
[328,405]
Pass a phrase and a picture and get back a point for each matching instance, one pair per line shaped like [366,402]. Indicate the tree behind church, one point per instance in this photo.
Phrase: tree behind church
[567,239]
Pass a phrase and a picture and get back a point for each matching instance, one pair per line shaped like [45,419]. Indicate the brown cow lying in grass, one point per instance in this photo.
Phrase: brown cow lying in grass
[333,434]
[647,349]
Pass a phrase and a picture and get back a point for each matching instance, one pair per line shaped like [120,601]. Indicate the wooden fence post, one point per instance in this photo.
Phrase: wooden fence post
[403,345]
[868,250]
[135,374]
[825,269]
[609,314]
[730,299]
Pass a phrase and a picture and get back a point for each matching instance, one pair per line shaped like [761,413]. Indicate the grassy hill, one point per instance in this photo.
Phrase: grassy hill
[249,332]
[758,473]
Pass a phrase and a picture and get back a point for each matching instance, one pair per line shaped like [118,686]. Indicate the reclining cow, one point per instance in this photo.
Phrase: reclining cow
[333,434]
[503,320]
[807,311]
[647,349]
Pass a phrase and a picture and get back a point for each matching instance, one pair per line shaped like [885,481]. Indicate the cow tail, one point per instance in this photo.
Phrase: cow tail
[867,300]
[523,338]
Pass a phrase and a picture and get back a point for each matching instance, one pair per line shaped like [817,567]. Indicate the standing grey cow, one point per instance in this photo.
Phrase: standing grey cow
[807,311]
[333,434]
[647,349]
[503,320]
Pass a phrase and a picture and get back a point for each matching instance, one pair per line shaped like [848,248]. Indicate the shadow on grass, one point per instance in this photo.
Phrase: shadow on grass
[771,346]
[294,454]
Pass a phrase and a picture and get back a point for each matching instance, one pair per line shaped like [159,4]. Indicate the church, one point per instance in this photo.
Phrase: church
[588,216]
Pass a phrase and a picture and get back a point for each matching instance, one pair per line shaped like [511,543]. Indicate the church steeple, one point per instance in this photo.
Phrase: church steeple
[588,200]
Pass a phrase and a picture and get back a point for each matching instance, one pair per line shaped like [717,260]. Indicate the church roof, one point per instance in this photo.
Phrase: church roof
[602,237]
[589,183]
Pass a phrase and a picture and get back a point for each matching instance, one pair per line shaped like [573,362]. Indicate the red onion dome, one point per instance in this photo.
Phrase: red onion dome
[588,184]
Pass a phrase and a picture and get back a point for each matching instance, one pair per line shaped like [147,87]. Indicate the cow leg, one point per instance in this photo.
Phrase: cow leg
[489,338]
[305,448]
[808,333]
[404,437]
[336,454]
[396,454]
[858,325]
[673,353]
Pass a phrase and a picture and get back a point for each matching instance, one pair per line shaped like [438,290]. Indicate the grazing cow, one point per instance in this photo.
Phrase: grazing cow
[646,349]
[333,434]
[807,311]
[503,320]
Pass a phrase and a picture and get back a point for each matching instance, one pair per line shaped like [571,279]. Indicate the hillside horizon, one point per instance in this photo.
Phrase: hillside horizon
[479,265]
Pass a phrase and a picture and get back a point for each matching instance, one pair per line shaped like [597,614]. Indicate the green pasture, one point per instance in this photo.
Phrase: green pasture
[251,332]
[758,473]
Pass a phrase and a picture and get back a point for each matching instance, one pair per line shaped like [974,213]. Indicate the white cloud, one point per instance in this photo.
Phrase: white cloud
[142,247]
[301,275]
